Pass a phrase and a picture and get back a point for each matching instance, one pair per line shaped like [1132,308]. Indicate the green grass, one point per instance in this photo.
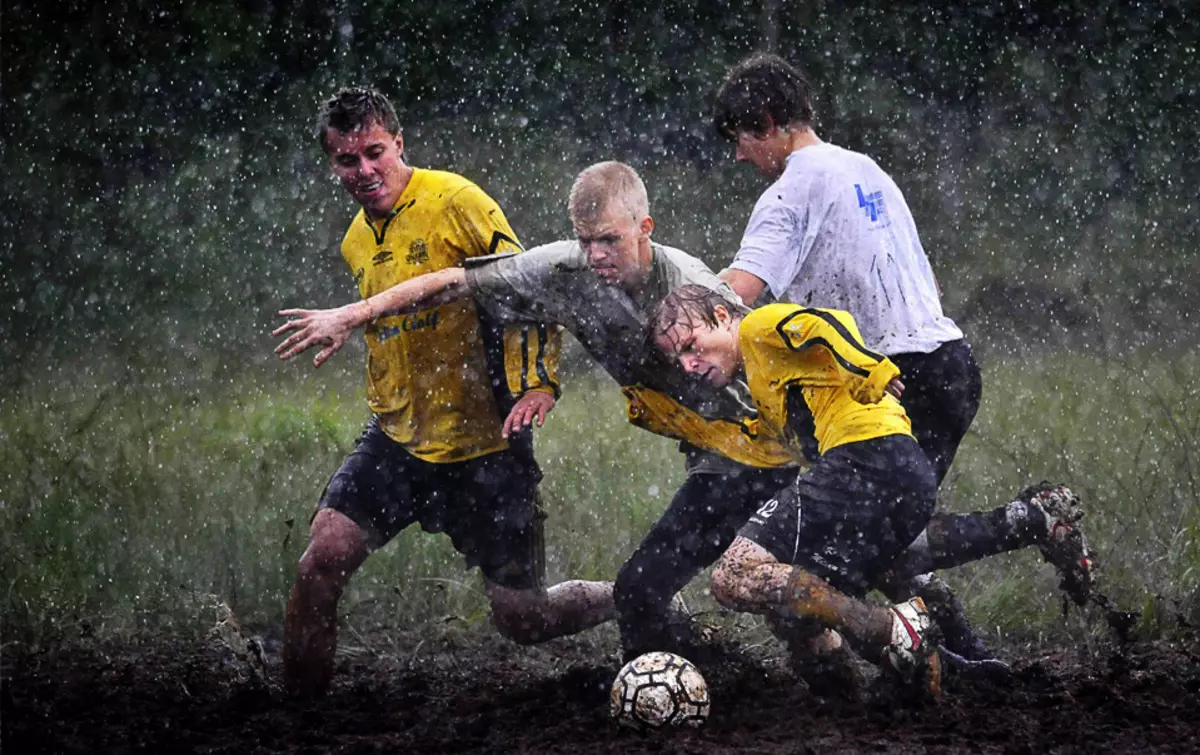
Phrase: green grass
[131,495]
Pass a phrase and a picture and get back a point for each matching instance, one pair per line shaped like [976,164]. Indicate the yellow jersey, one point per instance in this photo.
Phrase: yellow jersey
[820,352]
[439,379]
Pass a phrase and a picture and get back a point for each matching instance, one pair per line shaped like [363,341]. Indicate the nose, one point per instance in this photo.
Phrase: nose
[593,252]
[738,155]
[690,363]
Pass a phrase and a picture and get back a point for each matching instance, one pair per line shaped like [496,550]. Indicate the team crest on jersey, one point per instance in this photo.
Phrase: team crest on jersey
[382,257]
[418,252]
[871,204]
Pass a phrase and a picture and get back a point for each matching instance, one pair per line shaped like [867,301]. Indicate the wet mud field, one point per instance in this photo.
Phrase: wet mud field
[486,695]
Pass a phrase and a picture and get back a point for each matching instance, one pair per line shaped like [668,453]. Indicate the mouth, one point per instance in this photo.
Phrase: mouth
[369,189]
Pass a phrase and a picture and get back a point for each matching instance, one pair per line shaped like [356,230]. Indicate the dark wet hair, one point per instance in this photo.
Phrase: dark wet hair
[354,108]
[691,303]
[762,85]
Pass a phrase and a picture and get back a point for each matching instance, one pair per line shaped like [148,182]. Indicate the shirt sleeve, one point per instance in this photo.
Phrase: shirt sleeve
[777,239]
[531,350]
[795,330]
[522,288]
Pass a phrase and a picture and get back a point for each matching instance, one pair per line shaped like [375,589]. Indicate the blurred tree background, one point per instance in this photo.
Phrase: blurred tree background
[163,188]
[164,196]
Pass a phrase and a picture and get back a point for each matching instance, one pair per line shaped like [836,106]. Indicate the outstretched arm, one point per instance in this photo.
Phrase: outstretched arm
[332,327]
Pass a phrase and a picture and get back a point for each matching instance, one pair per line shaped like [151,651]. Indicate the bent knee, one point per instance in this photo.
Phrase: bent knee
[520,616]
[335,544]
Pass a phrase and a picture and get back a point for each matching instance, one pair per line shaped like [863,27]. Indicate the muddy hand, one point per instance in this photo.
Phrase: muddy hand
[532,407]
[314,327]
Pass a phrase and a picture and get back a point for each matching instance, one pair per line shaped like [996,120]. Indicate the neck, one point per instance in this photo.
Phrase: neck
[645,265]
[406,174]
[737,347]
[800,137]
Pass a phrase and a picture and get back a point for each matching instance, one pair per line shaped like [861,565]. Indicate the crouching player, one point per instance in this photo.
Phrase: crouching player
[838,528]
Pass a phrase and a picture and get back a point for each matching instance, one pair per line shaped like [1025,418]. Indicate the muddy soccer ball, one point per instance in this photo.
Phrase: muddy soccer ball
[656,690]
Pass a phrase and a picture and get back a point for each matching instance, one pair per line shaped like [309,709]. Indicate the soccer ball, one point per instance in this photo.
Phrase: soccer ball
[657,690]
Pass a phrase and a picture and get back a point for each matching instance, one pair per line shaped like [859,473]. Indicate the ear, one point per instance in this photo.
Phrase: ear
[721,313]
[770,129]
[646,226]
[400,143]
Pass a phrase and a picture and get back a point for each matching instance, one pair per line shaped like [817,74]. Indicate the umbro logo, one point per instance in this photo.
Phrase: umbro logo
[382,257]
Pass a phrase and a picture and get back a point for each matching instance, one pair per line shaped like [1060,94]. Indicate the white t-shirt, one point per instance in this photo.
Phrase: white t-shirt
[834,231]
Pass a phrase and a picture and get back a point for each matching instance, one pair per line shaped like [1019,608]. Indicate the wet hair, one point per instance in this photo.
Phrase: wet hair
[693,304]
[762,86]
[355,108]
[602,185]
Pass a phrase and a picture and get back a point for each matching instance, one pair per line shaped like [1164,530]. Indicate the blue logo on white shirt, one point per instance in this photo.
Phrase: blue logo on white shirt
[872,203]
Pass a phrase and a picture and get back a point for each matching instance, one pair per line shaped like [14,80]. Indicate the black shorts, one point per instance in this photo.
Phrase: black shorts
[487,505]
[941,396]
[852,513]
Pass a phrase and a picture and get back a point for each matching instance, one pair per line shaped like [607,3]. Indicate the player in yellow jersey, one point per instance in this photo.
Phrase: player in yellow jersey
[449,393]
[837,530]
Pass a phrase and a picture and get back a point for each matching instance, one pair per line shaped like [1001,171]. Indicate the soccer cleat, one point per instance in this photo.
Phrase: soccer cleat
[1064,546]
[911,652]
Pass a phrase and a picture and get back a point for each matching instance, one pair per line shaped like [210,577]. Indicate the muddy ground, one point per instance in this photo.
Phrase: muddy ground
[485,695]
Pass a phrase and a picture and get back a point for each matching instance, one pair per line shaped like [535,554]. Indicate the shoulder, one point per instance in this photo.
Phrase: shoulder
[762,323]
[451,190]
[679,259]
[768,316]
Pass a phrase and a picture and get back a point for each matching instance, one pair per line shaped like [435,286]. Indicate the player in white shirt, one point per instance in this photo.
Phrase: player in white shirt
[833,230]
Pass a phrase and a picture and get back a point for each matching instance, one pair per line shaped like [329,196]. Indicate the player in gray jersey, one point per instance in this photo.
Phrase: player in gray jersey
[603,287]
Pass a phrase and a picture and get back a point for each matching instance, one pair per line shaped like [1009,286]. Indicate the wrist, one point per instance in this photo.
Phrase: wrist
[362,312]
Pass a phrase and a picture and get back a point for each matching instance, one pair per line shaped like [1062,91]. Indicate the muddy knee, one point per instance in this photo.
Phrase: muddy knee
[336,547]
[519,615]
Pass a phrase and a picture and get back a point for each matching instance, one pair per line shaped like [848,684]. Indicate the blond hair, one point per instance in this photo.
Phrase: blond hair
[604,185]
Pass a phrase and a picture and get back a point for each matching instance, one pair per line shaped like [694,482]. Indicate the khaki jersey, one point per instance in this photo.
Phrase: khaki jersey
[434,377]
[552,283]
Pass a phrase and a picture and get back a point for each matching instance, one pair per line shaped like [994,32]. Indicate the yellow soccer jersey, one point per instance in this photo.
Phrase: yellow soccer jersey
[429,376]
[821,352]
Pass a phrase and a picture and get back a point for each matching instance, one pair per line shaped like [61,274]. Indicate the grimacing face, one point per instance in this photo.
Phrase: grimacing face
[369,163]
[707,351]
[610,240]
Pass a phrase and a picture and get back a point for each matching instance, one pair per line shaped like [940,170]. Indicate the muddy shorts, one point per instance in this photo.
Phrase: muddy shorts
[852,513]
[487,506]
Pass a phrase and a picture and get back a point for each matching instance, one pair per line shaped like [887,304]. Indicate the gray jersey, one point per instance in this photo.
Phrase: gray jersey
[552,284]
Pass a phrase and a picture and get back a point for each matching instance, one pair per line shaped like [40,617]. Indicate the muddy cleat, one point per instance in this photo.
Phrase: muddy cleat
[912,653]
[830,668]
[1064,546]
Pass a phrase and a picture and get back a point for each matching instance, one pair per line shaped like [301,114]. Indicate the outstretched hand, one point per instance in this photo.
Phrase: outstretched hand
[530,408]
[330,328]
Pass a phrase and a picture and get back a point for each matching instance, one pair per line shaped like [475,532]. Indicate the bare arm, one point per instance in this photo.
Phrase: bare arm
[746,285]
[332,327]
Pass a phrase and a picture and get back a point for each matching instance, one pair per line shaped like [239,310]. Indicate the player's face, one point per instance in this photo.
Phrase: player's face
[369,163]
[709,352]
[611,241]
[768,153]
